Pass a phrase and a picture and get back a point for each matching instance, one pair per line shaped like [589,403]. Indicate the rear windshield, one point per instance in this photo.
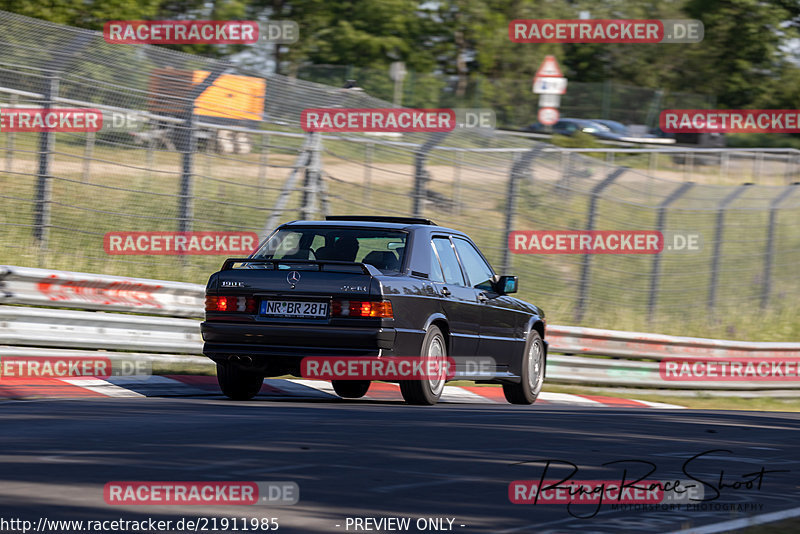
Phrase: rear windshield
[383,249]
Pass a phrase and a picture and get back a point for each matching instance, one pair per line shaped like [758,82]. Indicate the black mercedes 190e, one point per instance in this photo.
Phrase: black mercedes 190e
[369,286]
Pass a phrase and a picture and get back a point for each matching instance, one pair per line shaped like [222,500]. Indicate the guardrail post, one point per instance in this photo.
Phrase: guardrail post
[660,224]
[770,252]
[712,289]
[187,145]
[519,169]
[583,288]
[420,173]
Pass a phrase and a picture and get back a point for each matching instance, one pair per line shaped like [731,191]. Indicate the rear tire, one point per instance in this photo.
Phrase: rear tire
[351,389]
[532,373]
[238,384]
[427,392]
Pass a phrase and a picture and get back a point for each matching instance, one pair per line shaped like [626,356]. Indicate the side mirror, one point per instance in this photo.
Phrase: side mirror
[506,285]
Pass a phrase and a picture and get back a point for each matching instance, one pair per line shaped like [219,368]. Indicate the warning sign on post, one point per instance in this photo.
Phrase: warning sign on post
[549,68]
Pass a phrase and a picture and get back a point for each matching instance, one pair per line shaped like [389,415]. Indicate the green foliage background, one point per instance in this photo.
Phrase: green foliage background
[748,57]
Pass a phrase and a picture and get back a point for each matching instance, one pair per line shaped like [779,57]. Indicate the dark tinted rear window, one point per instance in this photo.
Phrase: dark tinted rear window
[383,249]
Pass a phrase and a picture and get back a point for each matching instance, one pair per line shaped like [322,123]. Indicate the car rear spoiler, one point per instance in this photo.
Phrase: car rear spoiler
[323,265]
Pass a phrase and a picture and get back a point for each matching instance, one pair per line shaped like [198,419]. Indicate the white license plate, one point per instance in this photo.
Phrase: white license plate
[290,308]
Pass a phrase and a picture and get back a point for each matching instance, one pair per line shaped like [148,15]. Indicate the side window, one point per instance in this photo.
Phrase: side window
[478,271]
[435,268]
[452,272]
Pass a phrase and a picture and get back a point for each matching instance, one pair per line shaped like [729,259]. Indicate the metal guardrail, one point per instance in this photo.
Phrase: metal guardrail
[44,287]
[637,345]
[48,327]
[582,356]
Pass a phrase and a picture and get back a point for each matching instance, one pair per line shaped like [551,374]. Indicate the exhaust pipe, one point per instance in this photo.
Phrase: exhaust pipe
[244,360]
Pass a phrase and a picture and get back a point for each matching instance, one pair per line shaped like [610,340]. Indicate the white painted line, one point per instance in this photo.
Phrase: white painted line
[101,386]
[661,405]
[461,395]
[568,399]
[157,386]
[745,522]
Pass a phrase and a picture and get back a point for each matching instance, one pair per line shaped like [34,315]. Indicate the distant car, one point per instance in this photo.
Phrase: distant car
[569,127]
[616,130]
[614,126]
[369,286]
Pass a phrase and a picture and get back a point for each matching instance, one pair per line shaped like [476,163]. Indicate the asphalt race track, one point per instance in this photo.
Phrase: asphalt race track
[380,459]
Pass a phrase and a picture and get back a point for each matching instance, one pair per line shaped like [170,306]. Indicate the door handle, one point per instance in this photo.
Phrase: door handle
[445,292]
[482,297]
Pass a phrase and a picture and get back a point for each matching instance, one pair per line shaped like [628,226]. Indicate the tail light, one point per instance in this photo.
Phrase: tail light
[362,308]
[231,304]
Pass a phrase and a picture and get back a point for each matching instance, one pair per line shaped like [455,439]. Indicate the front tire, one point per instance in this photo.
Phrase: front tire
[238,384]
[427,392]
[532,373]
[351,389]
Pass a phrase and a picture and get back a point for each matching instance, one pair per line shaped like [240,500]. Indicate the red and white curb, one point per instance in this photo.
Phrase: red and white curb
[190,386]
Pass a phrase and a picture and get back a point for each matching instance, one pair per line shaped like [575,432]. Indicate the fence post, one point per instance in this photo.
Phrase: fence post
[723,165]
[368,147]
[262,165]
[688,167]
[10,139]
[187,145]
[457,182]
[712,289]
[41,225]
[311,185]
[519,168]
[87,156]
[768,260]
[660,224]
[583,288]
[149,159]
[564,184]
[420,173]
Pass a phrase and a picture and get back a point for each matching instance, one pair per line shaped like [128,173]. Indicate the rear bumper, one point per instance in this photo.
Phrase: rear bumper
[284,340]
